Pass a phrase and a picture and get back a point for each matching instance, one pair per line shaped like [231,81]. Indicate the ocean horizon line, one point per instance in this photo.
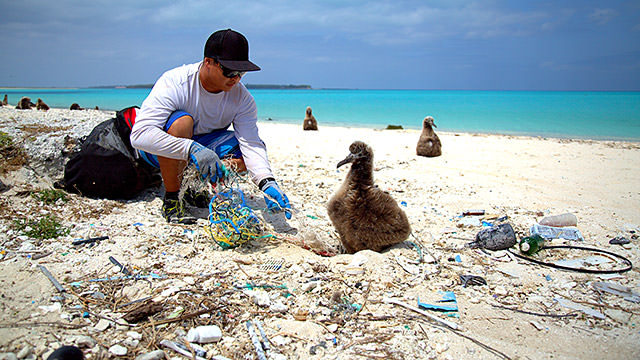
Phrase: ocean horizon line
[308,87]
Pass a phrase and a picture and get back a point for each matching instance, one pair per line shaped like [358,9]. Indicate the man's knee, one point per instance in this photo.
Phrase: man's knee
[182,127]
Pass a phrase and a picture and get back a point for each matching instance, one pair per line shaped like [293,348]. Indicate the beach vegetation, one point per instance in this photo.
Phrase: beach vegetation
[50,196]
[5,140]
[12,155]
[47,227]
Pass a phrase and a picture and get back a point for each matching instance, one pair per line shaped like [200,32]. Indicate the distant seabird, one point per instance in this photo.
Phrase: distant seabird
[310,122]
[5,101]
[429,143]
[40,105]
[25,103]
[364,216]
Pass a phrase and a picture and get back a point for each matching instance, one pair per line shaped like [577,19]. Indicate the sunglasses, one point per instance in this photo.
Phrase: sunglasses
[228,73]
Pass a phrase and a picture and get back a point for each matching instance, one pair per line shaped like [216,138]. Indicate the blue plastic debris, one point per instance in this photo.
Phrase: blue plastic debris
[458,258]
[447,303]
[138,224]
[403,203]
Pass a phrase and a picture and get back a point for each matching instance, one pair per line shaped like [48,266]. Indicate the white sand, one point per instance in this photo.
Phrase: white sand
[520,177]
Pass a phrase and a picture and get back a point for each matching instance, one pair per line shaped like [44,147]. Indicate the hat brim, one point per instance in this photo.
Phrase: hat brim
[239,65]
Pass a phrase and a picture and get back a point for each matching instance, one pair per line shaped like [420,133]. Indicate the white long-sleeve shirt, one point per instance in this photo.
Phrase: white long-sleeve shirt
[180,89]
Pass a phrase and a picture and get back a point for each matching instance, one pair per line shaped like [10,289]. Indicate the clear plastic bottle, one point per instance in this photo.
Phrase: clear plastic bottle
[531,244]
[566,219]
[552,232]
[204,334]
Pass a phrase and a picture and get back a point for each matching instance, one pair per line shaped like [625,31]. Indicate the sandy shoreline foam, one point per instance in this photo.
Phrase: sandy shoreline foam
[521,177]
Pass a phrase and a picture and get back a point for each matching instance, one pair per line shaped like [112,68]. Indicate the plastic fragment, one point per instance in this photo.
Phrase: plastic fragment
[447,303]
[617,289]
[575,306]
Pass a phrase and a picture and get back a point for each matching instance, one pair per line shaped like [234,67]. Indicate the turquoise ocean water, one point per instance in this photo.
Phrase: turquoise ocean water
[588,115]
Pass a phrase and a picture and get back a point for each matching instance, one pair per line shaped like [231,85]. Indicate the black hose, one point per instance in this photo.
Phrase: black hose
[628,267]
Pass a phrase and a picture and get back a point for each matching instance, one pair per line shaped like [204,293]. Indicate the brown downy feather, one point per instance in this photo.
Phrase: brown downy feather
[364,216]
[429,143]
[309,122]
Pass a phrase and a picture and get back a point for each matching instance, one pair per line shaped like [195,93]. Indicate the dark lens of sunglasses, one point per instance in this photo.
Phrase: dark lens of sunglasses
[231,73]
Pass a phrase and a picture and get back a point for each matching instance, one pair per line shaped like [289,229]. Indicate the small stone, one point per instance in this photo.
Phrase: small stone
[24,352]
[128,342]
[260,298]
[296,269]
[134,335]
[45,354]
[280,340]
[332,327]
[278,307]
[83,341]
[441,347]
[154,355]
[118,350]
[500,290]
[102,325]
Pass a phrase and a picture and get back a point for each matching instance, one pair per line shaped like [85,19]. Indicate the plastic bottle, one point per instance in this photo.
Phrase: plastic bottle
[204,334]
[531,244]
[566,219]
[552,232]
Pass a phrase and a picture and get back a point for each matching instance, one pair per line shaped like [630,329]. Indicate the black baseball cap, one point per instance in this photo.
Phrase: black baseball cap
[231,49]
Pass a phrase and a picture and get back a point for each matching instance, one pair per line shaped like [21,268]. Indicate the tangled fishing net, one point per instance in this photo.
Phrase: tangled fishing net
[231,221]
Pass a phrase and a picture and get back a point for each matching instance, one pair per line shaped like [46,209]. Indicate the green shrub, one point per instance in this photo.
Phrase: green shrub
[50,196]
[5,140]
[47,227]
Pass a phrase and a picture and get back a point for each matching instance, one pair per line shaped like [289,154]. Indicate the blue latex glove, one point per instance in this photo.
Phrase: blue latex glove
[273,192]
[207,162]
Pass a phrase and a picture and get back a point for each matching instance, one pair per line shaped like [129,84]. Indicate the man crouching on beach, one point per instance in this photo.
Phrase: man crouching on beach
[185,119]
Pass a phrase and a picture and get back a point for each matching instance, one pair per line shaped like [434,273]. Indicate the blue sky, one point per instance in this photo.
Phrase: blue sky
[452,44]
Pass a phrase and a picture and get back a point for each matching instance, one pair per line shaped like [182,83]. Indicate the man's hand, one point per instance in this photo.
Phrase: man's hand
[273,192]
[207,162]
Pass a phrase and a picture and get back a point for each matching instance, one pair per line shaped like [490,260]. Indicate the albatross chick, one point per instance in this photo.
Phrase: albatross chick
[364,216]
[309,122]
[429,143]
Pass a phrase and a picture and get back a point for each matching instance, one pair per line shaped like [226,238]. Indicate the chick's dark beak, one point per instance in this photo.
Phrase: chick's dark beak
[348,159]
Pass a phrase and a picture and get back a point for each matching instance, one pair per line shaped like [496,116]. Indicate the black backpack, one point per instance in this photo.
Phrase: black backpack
[105,166]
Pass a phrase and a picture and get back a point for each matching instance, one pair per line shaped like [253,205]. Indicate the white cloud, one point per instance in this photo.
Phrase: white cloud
[373,22]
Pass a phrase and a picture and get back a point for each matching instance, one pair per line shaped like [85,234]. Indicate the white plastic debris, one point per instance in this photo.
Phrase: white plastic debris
[575,306]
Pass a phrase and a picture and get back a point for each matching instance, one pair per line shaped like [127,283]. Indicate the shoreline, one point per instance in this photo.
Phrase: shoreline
[375,128]
[453,132]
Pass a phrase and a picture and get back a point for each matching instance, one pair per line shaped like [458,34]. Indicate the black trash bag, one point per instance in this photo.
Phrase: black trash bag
[105,166]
